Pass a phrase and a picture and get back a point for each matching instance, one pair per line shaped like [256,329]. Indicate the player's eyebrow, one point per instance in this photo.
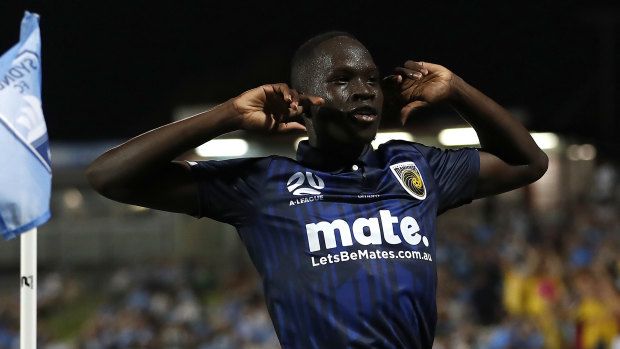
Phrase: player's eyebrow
[351,70]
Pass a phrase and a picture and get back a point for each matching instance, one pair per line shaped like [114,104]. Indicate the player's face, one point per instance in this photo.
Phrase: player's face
[347,78]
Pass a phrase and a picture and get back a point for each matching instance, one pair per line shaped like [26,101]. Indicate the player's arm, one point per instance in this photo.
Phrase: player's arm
[143,170]
[509,157]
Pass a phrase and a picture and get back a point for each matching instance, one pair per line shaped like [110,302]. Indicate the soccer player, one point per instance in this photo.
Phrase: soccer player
[344,236]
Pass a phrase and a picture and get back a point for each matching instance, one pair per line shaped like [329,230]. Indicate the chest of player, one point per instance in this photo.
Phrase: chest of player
[357,215]
[358,184]
[363,204]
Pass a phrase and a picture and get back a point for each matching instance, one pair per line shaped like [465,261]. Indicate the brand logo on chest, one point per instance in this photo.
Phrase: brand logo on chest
[307,185]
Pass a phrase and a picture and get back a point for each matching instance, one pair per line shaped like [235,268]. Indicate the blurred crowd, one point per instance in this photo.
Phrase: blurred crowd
[509,277]
[155,306]
[179,307]
[519,278]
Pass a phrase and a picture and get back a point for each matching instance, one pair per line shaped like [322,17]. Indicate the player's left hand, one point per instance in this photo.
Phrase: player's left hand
[417,84]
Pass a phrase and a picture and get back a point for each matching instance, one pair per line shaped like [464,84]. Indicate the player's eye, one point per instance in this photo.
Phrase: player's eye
[340,80]
[373,80]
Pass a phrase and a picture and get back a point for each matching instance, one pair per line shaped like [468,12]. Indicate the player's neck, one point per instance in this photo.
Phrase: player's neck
[341,154]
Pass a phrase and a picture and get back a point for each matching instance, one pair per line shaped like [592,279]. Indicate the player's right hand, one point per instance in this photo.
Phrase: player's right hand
[273,107]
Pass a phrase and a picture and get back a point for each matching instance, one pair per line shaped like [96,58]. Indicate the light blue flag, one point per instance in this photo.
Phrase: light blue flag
[25,171]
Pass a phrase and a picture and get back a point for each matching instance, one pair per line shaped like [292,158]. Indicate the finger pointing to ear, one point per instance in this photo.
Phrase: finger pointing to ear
[409,73]
[417,66]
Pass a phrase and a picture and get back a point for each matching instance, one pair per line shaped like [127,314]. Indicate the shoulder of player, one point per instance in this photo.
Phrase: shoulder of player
[397,146]
[224,165]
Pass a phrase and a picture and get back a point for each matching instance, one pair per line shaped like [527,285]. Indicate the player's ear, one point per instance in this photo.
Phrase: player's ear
[306,112]
[304,118]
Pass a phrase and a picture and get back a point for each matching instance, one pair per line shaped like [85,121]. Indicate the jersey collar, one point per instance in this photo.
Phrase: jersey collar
[325,161]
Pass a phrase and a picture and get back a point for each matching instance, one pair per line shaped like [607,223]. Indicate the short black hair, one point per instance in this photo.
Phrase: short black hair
[305,53]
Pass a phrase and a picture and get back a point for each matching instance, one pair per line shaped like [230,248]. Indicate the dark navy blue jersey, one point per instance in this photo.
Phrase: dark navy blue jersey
[346,255]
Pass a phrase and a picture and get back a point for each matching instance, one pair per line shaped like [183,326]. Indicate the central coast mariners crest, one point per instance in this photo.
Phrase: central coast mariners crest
[410,178]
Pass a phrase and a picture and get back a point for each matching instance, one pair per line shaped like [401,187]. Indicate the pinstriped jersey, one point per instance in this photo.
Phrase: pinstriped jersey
[346,253]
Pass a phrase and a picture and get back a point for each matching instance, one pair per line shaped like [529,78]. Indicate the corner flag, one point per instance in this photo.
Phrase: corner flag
[25,171]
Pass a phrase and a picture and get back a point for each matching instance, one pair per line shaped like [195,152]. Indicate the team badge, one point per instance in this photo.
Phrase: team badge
[410,178]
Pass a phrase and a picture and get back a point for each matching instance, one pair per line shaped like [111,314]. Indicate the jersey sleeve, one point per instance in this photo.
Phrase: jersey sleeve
[229,190]
[455,172]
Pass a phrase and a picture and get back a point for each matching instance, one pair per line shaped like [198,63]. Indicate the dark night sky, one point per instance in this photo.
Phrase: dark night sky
[113,69]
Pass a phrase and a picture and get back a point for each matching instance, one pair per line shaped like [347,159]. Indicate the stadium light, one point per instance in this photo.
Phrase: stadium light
[576,152]
[72,198]
[546,140]
[458,136]
[223,147]
[381,138]
[467,136]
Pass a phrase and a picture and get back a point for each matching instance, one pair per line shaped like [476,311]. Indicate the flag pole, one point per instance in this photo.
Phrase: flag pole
[28,293]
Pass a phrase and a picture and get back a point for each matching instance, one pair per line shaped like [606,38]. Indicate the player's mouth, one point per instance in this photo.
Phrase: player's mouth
[364,114]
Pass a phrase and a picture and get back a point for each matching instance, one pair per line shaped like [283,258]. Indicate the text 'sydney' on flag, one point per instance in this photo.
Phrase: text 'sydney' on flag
[25,171]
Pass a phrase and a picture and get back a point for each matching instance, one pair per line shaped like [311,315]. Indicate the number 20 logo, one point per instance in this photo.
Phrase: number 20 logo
[297,180]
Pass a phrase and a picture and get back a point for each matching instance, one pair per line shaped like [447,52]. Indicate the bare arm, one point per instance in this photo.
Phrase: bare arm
[509,157]
[143,172]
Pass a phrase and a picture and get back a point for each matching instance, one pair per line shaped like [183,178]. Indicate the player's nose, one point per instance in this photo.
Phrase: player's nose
[362,90]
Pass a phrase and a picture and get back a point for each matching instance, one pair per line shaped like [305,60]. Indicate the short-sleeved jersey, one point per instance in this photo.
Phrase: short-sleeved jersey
[347,256]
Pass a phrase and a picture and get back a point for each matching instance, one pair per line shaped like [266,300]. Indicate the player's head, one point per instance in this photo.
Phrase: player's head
[338,68]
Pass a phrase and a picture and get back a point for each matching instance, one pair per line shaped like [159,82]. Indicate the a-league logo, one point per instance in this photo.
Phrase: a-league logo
[410,178]
[294,184]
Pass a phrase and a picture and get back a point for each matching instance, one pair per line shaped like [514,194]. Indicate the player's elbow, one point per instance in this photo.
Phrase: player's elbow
[538,167]
[101,182]
[96,179]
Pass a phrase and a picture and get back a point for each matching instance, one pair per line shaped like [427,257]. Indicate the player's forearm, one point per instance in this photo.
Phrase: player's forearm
[498,131]
[139,157]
